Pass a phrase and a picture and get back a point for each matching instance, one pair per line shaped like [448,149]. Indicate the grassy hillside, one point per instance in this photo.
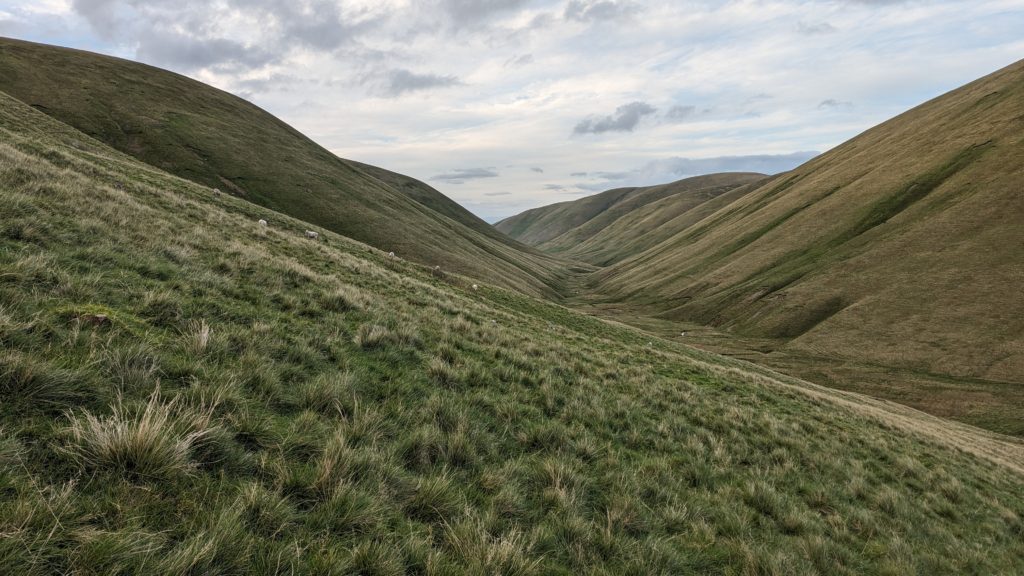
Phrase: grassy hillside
[609,226]
[184,391]
[893,264]
[211,137]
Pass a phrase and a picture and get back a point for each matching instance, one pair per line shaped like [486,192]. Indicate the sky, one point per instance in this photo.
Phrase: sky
[505,105]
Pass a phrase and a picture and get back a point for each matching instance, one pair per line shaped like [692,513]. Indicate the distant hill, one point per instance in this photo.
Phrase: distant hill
[610,226]
[214,138]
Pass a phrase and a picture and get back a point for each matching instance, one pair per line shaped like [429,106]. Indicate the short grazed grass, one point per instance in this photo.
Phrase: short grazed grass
[261,403]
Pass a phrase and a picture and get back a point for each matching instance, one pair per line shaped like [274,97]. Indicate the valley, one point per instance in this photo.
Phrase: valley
[224,350]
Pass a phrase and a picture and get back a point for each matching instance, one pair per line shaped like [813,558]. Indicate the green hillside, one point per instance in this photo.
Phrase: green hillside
[892,265]
[612,225]
[183,391]
[214,138]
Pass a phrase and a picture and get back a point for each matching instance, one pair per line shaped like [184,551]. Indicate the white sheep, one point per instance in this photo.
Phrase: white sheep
[262,222]
[312,235]
[216,190]
[475,287]
[391,254]
[682,333]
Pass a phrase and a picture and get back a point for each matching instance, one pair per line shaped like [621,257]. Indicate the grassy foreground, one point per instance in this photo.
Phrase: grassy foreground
[185,391]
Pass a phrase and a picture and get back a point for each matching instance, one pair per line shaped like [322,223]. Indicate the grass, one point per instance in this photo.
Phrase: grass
[325,409]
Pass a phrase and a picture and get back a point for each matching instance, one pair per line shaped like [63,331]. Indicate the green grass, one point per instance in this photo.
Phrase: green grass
[262,403]
[221,141]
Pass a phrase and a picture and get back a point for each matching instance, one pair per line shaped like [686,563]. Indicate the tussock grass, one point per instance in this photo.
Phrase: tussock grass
[432,431]
[151,443]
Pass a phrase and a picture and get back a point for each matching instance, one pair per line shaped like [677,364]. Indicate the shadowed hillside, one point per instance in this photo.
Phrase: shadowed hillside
[615,224]
[183,391]
[214,138]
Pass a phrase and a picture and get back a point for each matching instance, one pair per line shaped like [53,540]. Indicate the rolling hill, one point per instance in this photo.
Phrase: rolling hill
[214,138]
[900,251]
[183,391]
[610,226]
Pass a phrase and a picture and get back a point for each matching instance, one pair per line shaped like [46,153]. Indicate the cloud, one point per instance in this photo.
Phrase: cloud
[516,61]
[680,113]
[578,174]
[599,10]
[470,11]
[676,168]
[462,175]
[809,29]
[537,169]
[497,193]
[191,35]
[184,52]
[625,119]
[833,104]
[401,81]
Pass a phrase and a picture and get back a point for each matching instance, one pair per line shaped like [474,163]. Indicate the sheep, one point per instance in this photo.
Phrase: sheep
[436,272]
[312,235]
[682,333]
[391,254]
[262,222]
[216,190]
[475,287]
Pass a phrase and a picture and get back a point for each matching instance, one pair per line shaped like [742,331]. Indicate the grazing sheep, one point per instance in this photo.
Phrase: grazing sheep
[475,287]
[216,190]
[312,235]
[682,333]
[436,272]
[262,222]
[391,254]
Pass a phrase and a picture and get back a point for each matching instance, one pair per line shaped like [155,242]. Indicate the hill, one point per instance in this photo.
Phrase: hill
[183,391]
[892,264]
[214,138]
[607,227]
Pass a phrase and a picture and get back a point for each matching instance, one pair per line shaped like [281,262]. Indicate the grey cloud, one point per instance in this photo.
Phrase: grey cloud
[578,174]
[184,34]
[679,113]
[523,60]
[186,52]
[596,10]
[554,187]
[497,193]
[537,169]
[833,104]
[470,11]
[810,29]
[401,81]
[461,175]
[625,119]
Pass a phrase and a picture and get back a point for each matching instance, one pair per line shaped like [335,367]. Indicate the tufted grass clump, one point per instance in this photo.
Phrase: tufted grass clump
[35,384]
[150,443]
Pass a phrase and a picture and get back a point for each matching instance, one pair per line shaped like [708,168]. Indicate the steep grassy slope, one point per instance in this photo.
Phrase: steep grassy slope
[183,391]
[902,247]
[580,228]
[213,138]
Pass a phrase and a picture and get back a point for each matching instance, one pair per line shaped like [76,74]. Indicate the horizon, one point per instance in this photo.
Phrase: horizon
[548,101]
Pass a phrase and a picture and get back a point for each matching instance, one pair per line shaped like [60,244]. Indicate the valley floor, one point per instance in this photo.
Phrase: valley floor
[993,405]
